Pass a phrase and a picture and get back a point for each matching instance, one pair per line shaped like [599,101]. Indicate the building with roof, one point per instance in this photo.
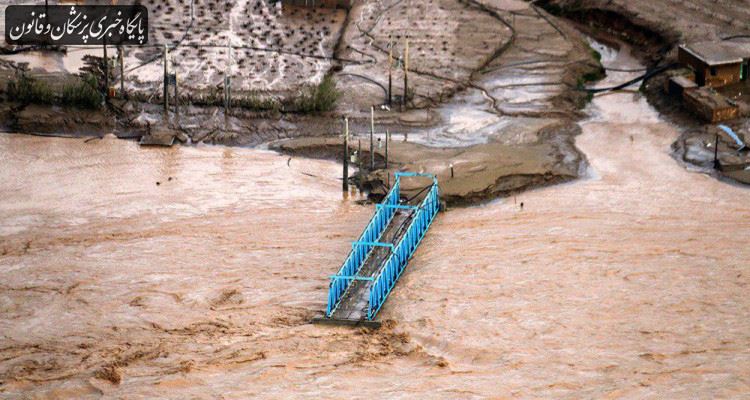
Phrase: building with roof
[716,64]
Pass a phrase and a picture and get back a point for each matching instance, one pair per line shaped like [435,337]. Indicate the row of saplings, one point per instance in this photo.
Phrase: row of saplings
[85,91]
[79,92]
[308,100]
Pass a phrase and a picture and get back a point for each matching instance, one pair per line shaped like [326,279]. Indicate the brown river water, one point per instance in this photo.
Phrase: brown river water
[630,283]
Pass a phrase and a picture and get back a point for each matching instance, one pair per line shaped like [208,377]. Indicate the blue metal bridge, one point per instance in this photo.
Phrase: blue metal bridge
[380,255]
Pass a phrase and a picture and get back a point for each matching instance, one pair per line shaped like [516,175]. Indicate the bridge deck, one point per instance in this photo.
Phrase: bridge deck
[381,253]
[353,306]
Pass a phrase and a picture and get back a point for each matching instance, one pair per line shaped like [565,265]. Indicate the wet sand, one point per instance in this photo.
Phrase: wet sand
[481,173]
[630,283]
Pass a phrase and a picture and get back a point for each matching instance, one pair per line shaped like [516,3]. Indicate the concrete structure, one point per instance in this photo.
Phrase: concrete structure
[709,105]
[716,64]
[678,85]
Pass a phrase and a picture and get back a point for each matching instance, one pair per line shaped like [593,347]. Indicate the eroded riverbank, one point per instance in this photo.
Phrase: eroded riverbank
[496,96]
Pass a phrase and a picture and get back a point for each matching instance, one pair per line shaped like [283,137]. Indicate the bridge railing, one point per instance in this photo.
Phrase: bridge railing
[361,248]
[396,263]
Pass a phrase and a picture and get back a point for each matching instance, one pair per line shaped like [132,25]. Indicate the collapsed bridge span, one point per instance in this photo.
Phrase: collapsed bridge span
[380,255]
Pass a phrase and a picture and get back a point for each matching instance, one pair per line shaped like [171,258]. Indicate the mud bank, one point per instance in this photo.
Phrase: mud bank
[654,30]
[131,120]
[40,119]
[492,80]
[480,173]
[695,149]
[652,41]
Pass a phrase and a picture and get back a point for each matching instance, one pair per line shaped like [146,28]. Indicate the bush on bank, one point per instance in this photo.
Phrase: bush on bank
[317,98]
[28,90]
[81,92]
[310,99]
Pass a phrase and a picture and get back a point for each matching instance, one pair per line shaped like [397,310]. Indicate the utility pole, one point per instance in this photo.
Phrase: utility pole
[406,73]
[166,81]
[176,99]
[228,79]
[390,71]
[717,164]
[372,133]
[106,70]
[345,185]
[121,52]
[387,139]
[359,160]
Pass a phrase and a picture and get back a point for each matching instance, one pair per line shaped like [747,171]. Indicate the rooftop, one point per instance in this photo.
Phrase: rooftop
[719,53]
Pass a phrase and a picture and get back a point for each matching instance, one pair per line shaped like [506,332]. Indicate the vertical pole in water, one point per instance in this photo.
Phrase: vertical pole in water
[227,79]
[106,70]
[359,162]
[176,99]
[121,51]
[387,139]
[406,73]
[372,133]
[166,81]
[716,153]
[390,71]
[345,185]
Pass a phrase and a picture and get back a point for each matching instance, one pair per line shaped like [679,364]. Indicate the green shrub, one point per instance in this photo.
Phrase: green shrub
[590,77]
[29,90]
[317,98]
[597,56]
[82,93]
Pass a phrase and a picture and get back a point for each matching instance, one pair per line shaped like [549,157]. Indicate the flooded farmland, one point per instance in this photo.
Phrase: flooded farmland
[193,272]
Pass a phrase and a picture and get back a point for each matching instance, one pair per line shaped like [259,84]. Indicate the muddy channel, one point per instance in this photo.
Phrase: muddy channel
[192,272]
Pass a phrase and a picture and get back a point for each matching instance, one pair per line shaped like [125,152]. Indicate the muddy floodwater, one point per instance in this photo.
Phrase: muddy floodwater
[192,272]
